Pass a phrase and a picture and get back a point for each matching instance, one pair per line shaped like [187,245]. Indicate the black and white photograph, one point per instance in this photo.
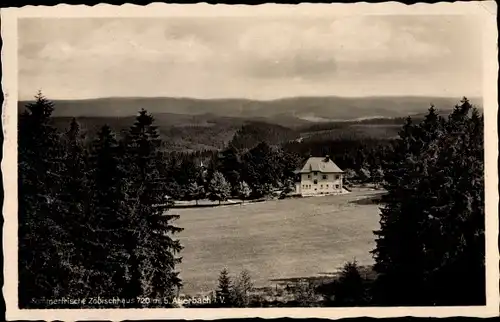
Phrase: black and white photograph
[198,157]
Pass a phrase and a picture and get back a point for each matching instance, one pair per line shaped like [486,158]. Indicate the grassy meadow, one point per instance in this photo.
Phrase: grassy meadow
[277,239]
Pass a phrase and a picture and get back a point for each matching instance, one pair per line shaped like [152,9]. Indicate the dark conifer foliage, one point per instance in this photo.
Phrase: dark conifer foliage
[225,290]
[431,242]
[352,288]
[230,165]
[253,133]
[75,199]
[93,219]
[261,170]
[44,239]
[155,251]
[110,216]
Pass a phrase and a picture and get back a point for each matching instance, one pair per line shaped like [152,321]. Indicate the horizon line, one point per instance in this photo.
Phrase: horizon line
[459,97]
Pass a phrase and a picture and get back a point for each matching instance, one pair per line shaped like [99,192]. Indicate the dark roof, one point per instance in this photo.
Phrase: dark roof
[320,164]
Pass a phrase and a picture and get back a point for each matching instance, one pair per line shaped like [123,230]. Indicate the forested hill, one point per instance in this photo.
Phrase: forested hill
[253,133]
[199,133]
[287,112]
[178,132]
[317,120]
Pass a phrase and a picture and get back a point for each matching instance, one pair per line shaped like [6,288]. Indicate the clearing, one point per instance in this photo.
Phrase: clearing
[277,239]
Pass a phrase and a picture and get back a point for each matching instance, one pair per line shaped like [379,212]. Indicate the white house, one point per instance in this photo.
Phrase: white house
[319,176]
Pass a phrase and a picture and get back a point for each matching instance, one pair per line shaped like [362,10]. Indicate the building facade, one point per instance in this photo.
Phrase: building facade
[319,176]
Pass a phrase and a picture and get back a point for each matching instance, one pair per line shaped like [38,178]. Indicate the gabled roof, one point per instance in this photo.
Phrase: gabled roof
[320,164]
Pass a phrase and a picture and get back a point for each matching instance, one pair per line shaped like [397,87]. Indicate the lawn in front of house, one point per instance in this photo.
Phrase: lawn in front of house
[276,239]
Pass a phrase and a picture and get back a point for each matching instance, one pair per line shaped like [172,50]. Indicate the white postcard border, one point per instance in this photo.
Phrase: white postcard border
[9,17]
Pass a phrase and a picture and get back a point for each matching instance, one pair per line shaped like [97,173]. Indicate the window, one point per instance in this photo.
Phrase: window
[315,173]
[315,181]
[336,186]
[325,176]
[326,186]
[308,176]
[321,187]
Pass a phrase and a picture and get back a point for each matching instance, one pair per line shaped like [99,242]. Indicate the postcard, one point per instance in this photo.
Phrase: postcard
[214,161]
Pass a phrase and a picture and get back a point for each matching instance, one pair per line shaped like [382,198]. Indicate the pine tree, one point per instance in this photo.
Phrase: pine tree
[400,268]
[171,171]
[230,166]
[242,289]
[75,199]
[291,161]
[153,248]
[458,213]
[109,217]
[218,188]
[186,172]
[224,293]
[432,224]
[350,289]
[44,240]
[262,169]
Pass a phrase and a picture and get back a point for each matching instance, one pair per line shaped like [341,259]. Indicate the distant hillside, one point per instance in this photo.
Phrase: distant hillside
[291,112]
[187,124]
[252,133]
[179,132]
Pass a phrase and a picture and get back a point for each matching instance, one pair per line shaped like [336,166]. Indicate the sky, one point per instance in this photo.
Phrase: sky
[250,57]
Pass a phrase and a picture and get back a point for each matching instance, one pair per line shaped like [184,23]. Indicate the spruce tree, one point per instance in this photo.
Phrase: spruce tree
[262,169]
[110,217]
[291,162]
[75,199]
[224,293]
[458,213]
[432,224]
[242,289]
[44,240]
[351,288]
[230,166]
[155,250]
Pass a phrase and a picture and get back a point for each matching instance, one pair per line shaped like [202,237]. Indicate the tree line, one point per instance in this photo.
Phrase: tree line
[430,247]
[262,168]
[244,174]
[94,219]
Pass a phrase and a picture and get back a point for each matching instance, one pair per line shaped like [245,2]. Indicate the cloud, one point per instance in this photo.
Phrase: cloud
[246,56]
